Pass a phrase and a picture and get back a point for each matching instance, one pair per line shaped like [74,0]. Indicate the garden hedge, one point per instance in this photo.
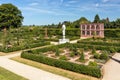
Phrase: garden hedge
[87,70]
[16,48]
[117,44]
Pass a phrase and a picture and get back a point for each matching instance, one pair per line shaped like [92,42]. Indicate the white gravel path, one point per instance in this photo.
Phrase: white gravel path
[112,69]
[26,71]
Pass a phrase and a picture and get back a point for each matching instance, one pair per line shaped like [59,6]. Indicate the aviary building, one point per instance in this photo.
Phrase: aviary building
[92,30]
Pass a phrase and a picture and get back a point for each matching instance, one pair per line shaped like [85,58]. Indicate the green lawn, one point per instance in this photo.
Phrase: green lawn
[7,75]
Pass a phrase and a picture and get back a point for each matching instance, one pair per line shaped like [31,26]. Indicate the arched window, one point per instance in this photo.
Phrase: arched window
[83,27]
[93,33]
[97,27]
[98,33]
[88,32]
[88,27]
[93,27]
[83,32]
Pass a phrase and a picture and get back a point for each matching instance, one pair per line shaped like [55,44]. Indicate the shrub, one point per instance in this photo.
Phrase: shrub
[112,50]
[96,55]
[72,54]
[63,57]
[57,53]
[93,51]
[104,56]
[93,64]
[82,57]
[93,71]
[16,48]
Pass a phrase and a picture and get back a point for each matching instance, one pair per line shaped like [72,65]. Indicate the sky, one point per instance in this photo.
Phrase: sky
[43,12]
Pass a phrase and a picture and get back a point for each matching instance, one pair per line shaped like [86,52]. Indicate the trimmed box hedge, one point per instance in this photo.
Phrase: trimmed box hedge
[87,70]
[2,49]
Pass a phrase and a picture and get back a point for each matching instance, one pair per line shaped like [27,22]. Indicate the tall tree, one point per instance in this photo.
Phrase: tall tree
[117,23]
[96,19]
[10,16]
[83,20]
[59,25]
[80,21]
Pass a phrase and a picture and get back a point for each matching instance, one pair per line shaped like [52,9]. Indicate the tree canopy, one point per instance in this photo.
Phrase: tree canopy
[10,16]
[96,19]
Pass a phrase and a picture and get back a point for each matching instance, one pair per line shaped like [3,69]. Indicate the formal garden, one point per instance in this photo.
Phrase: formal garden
[86,56]
[30,37]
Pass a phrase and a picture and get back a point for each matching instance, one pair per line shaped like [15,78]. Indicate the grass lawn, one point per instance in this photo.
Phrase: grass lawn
[62,72]
[7,75]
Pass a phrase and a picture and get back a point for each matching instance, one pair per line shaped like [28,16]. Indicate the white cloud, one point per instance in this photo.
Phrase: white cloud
[38,10]
[97,4]
[34,4]
[105,1]
[110,5]
[61,1]
[72,2]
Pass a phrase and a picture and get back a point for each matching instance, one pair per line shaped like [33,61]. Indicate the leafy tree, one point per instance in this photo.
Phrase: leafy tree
[82,20]
[59,25]
[96,19]
[106,22]
[117,23]
[10,16]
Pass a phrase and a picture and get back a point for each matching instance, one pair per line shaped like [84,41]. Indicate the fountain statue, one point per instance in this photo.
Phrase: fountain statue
[63,40]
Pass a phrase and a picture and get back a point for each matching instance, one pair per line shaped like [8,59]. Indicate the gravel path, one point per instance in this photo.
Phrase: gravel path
[26,71]
[112,68]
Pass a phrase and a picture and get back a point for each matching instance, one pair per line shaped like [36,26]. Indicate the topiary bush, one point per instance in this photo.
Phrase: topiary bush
[93,51]
[63,57]
[72,54]
[96,56]
[104,56]
[57,52]
[93,64]
[82,57]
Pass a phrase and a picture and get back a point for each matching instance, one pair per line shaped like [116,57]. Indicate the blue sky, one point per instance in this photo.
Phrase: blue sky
[41,12]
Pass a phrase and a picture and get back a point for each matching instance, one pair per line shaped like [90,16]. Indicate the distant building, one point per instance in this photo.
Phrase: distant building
[92,30]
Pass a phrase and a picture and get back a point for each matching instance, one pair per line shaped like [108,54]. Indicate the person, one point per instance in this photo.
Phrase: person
[63,29]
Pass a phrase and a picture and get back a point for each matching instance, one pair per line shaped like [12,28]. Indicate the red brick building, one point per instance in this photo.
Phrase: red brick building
[92,30]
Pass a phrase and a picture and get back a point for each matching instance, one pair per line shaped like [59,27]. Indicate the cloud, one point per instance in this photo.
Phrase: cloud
[110,5]
[36,10]
[43,11]
[61,1]
[97,4]
[71,2]
[34,4]
[105,1]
